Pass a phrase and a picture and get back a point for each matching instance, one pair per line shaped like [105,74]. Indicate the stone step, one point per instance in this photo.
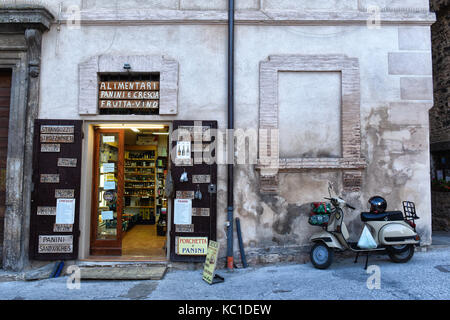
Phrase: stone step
[122,271]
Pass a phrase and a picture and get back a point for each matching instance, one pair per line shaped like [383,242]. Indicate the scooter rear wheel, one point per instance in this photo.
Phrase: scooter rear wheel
[398,255]
[321,255]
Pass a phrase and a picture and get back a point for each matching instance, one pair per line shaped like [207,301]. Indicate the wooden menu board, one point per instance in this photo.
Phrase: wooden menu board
[128,95]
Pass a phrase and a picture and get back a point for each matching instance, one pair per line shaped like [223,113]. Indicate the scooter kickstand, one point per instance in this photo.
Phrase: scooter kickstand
[356,258]
[367,260]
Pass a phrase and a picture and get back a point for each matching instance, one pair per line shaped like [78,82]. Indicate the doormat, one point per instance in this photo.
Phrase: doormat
[119,271]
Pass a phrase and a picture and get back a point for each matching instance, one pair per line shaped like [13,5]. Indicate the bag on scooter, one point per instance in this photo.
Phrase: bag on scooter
[321,207]
[366,241]
[320,213]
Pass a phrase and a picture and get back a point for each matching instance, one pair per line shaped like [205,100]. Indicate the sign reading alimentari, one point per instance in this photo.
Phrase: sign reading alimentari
[129,94]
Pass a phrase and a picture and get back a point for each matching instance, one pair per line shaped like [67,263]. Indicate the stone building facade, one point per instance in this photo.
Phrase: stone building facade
[440,115]
[343,88]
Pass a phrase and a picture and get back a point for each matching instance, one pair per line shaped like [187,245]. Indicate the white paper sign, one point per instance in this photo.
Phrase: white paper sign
[108,167]
[65,211]
[108,139]
[110,185]
[183,211]
[107,215]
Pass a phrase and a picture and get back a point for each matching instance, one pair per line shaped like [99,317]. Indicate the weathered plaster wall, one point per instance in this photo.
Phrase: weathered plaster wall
[395,72]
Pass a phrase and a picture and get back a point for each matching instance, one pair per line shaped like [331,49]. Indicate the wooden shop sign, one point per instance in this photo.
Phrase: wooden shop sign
[55,244]
[128,95]
[57,138]
[49,178]
[192,246]
[63,227]
[200,212]
[57,129]
[188,228]
[67,162]
[50,147]
[201,178]
[46,211]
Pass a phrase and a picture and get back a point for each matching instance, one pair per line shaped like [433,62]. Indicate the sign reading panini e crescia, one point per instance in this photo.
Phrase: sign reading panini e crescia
[129,95]
[195,246]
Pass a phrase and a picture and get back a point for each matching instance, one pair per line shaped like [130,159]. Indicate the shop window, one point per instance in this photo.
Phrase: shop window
[128,94]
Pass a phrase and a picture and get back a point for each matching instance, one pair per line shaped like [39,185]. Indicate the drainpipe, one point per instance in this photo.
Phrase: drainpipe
[230,144]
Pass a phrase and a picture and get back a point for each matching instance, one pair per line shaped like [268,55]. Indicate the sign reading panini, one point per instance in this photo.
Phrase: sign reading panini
[55,244]
[129,95]
[192,245]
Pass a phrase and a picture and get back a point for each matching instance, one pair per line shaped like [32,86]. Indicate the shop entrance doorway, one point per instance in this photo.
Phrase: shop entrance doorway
[129,207]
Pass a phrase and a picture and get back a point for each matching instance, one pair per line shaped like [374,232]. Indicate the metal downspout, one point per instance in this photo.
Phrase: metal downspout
[230,140]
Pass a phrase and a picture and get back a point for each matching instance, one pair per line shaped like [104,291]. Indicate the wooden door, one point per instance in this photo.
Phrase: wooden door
[5,96]
[107,196]
[56,185]
[202,176]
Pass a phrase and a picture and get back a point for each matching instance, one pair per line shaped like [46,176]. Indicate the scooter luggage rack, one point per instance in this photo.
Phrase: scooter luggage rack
[409,208]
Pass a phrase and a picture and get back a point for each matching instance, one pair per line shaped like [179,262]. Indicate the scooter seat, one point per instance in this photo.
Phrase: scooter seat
[385,216]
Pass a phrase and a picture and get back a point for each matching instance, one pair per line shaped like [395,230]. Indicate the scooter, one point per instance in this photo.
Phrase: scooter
[393,233]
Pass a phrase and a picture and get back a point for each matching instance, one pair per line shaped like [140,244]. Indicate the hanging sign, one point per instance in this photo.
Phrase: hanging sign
[183,211]
[209,270]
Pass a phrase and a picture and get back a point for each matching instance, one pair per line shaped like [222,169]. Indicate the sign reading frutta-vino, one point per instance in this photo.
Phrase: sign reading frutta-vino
[128,95]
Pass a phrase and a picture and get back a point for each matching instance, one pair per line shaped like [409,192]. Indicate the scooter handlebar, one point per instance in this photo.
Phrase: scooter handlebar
[353,208]
[341,200]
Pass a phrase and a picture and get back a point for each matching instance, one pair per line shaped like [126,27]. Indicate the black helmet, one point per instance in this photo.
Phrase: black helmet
[377,204]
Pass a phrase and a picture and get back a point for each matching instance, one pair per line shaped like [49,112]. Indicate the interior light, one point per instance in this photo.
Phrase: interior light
[135,130]
[161,133]
[130,126]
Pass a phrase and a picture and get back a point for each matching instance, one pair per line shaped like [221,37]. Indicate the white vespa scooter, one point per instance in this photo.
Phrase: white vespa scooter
[392,232]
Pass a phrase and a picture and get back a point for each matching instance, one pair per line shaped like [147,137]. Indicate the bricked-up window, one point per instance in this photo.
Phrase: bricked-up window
[129,94]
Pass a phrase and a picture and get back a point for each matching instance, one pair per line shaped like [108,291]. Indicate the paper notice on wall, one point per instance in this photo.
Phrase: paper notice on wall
[183,211]
[108,139]
[65,211]
[108,167]
[107,215]
[109,185]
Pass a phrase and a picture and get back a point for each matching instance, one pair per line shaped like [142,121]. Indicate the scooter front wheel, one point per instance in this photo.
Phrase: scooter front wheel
[321,255]
[401,254]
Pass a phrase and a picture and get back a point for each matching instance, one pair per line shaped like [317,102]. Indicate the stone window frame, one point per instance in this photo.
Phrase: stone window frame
[90,70]
[351,161]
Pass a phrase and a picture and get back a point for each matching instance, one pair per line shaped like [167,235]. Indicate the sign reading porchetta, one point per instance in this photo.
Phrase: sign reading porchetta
[129,95]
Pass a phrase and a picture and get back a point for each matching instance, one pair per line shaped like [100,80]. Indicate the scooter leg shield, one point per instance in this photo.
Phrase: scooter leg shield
[330,240]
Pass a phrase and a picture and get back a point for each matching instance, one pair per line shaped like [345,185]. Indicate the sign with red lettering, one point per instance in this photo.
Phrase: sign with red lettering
[194,246]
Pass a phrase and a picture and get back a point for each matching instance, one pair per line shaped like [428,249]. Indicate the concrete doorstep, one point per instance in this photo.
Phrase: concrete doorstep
[122,271]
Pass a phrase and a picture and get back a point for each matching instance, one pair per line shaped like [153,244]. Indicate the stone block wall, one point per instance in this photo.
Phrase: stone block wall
[440,202]
[440,35]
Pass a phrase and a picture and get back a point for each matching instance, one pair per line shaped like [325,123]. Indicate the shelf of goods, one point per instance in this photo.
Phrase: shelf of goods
[140,185]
